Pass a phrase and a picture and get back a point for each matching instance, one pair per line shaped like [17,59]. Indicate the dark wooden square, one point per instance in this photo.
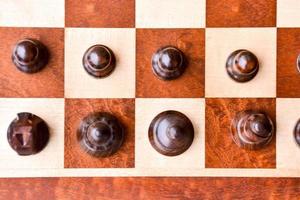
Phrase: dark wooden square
[191,83]
[75,110]
[104,13]
[49,82]
[288,49]
[240,13]
[220,150]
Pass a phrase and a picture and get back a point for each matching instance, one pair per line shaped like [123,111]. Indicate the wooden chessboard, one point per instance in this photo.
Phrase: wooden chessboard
[206,31]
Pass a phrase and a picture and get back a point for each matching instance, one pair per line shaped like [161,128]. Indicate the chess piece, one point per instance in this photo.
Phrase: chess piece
[27,134]
[252,130]
[168,63]
[242,65]
[99,61]
[297,132]
[298,63]
[171,133]
[30,55]
[100,134]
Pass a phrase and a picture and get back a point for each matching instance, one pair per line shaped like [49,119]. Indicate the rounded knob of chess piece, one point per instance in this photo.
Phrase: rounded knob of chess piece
[99,61]
[168,63]
[171,133]
[297,132]
[100,134]
[242,65]
[27,134]
[298,63]
[30,55]
[252,129]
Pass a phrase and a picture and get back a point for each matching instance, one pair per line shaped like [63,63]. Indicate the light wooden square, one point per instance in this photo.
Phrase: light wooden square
[288,14]
[287,150]
[120,84]
[32,13]
[170,13]
[220,43]
[147,158]
[52,111]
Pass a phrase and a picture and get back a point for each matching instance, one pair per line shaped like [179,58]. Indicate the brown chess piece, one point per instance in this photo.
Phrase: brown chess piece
[171,133]
[27,134]
[242,65]
[30,55]
[168,63]
[252,129]
[100,134]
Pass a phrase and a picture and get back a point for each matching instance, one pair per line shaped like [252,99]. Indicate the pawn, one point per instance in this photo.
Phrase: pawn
[242,65]
[168,63]
[27,134]
[30,55]
[100,134]
[252,130]
[171,133]
[99,61]
[297,132]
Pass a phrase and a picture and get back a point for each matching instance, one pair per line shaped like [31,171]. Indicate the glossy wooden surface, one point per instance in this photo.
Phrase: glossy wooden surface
[150,188]
[47,83]
[240,13]
[75,110]
[189,41]
[221,151]
[104,13]
[288,49]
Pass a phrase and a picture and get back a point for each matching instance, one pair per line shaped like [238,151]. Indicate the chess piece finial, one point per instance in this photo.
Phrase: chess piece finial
[171,133]
[242,65]
[30,55]
[252,130]
[27,134]
[168,63]
[100,134]
[99,61]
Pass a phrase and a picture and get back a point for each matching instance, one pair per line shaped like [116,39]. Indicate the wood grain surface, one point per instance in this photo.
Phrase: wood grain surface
[190,42]
[47,83]
[288,49]
[75,110]
[104,13]
[220,150]
[240,13]
[150,188]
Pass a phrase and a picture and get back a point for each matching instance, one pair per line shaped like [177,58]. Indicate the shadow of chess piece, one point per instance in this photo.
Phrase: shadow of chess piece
[100,134]
[171,133]
[27,134]
[242,65]
[252,130]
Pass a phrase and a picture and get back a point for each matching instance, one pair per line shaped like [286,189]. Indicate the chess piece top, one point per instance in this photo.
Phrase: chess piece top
[242,65]
[100,134]
[30,55]
[252,129]
[99,61]
[298,63]
[297,132]
[27,134]
[171,133]
[168,63]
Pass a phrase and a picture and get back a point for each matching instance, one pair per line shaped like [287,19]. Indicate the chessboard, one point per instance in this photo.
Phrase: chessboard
[207,32]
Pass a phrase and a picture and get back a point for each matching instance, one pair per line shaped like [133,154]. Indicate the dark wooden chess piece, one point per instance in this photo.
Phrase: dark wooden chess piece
[30,55]
[99,61]
[252,129]
[297,132]
[27,134]
[171,133]
[298,63]
[242,65]
[100,134]
[168,63]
